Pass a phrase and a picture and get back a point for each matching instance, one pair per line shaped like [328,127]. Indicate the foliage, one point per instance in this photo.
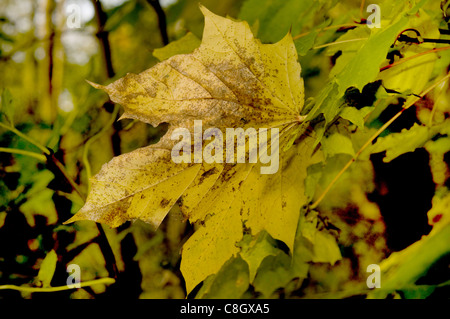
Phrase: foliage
[362,99]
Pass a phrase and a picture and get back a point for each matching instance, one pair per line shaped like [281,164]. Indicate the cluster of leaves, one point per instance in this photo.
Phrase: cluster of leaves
[312,228]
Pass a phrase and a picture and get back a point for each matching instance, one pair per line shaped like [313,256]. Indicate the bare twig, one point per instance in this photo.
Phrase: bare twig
[161,20]
[102,35]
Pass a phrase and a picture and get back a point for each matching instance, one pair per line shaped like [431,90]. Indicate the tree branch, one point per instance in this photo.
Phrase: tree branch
[102,35]
[162,21]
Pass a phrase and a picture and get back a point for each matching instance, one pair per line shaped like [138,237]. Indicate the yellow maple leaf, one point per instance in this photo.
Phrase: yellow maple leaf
[231,81]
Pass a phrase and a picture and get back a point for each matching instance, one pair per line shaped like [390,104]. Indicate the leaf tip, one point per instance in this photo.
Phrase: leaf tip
[204,10]
[95,85]
[74,218]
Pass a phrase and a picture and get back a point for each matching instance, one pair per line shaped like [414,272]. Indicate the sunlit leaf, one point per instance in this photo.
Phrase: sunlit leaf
[47,268]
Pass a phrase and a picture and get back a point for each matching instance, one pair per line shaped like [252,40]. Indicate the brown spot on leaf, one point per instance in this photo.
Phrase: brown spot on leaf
[206,174]
[164,202]
[437,218]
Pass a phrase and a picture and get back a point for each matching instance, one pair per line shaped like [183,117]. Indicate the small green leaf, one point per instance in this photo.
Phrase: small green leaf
[349,44]
[324,247]
[186,44]
[47,268]
[408,140]
[337,144]
[275,272]
[276,18]
[255,249]
[304,44]
[418,292]
[230,282]
[356,116]
[365,66]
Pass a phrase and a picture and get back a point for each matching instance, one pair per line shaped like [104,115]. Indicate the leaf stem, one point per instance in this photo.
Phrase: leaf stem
[413,57]
[25,137]
[105,281]
[377,133]
[337,26]
[338,42]
[361,9]
[72,183]
[37,156]
[161,20]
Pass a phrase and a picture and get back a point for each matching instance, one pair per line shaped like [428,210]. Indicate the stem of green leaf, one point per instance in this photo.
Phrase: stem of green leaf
[105,281]
[25,137]
[37,156]
[337,42]
[338,26]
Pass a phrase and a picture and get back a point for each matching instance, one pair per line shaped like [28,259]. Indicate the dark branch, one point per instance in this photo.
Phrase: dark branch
[102,35]
[162,23]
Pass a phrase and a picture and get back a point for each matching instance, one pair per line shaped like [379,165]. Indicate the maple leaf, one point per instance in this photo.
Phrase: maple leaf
[231,81]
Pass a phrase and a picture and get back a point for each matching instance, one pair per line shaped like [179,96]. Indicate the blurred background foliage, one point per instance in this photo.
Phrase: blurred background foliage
[45,58]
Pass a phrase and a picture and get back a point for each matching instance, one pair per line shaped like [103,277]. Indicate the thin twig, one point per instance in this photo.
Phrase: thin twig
[62,169]
[361,9]
[161,20]
[337,42]
[26,138]
[37,156]
[105,281]
[337,26]
[102,36]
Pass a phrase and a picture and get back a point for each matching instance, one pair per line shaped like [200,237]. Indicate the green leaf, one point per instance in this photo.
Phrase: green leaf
[349,44]
[277,17]
[348,49]
[358,70]
[327,103]
[337,144]
[255,249]
[230,282]
[7,107]
[404,268]
[47,268]
[326,249]
[408,140]
[365,66]
[186,44]
[418,292]
[275,272]
[323,246]
[304,44]
[39,199]
[356,116]
[312,179]
[404,77]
